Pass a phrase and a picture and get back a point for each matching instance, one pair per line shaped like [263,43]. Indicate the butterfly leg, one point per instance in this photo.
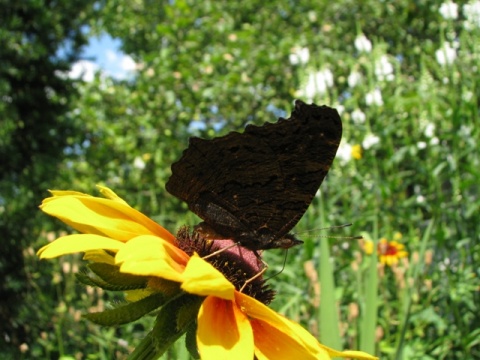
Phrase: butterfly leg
[257,275]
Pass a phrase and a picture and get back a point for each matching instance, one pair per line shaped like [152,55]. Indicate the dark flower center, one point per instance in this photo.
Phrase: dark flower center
[238,264]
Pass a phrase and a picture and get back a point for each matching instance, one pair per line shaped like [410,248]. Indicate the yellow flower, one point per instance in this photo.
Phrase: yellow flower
[357,152]
[167,273]
[389,252]
[367,246]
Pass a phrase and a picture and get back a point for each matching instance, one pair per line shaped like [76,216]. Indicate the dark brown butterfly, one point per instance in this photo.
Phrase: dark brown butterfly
[253,187]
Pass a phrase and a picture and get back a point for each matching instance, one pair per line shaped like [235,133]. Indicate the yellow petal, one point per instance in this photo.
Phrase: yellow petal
[256,310]
[277,337]
[271,343]
[148,247]
[352,354]
[100,216]
[397,245]
[152,256]
[78,243]
[224,332]
[160,268]
[201,278]
[100,256]
[109,194]
[58,193]
[368,247]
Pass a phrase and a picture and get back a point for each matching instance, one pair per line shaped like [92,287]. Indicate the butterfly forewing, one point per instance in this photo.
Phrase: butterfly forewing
[253,187]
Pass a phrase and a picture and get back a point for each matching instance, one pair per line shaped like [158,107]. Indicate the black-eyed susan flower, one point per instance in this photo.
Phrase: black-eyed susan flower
[193,287]
[389,252]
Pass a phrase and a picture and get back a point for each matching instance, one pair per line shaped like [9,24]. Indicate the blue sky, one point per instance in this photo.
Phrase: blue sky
[103,53]
[98,47]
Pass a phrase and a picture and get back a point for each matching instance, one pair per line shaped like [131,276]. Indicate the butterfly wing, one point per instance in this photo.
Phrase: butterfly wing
[255,186]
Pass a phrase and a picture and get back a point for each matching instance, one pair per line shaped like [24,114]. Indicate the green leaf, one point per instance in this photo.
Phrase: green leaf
[127,313]
[167,330]
[191,341]
[329,323]
[369,320]
[108,277]
[112,275]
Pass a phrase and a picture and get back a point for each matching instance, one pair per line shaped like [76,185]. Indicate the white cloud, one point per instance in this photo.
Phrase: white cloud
[127,63]
[119,65]
[83,69]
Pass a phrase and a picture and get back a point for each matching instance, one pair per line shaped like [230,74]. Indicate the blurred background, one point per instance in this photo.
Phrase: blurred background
[97,92]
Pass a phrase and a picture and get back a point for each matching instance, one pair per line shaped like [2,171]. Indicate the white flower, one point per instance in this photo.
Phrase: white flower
[449,10]
[354,79]
[358,116]
[340,109]
[465,131]
[420,199]
[421,145]
[369,141]
[446,55]
[472,14]
[374,97]
[318,83]
[384,69]
[429,130]
[434,141]
[344,152]
[299,56]
[467,96]
[363,44]
[138,163]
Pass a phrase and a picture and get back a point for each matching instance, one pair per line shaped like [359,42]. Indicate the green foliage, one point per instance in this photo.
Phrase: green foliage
[107,278]
[127,313]
[207,68]
[39,40]
[168,327]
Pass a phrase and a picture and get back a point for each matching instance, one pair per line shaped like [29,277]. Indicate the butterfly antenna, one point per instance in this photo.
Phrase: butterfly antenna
[359,237]
[336,237]
[283,267]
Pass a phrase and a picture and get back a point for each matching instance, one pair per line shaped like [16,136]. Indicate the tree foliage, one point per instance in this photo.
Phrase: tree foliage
[40,41]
